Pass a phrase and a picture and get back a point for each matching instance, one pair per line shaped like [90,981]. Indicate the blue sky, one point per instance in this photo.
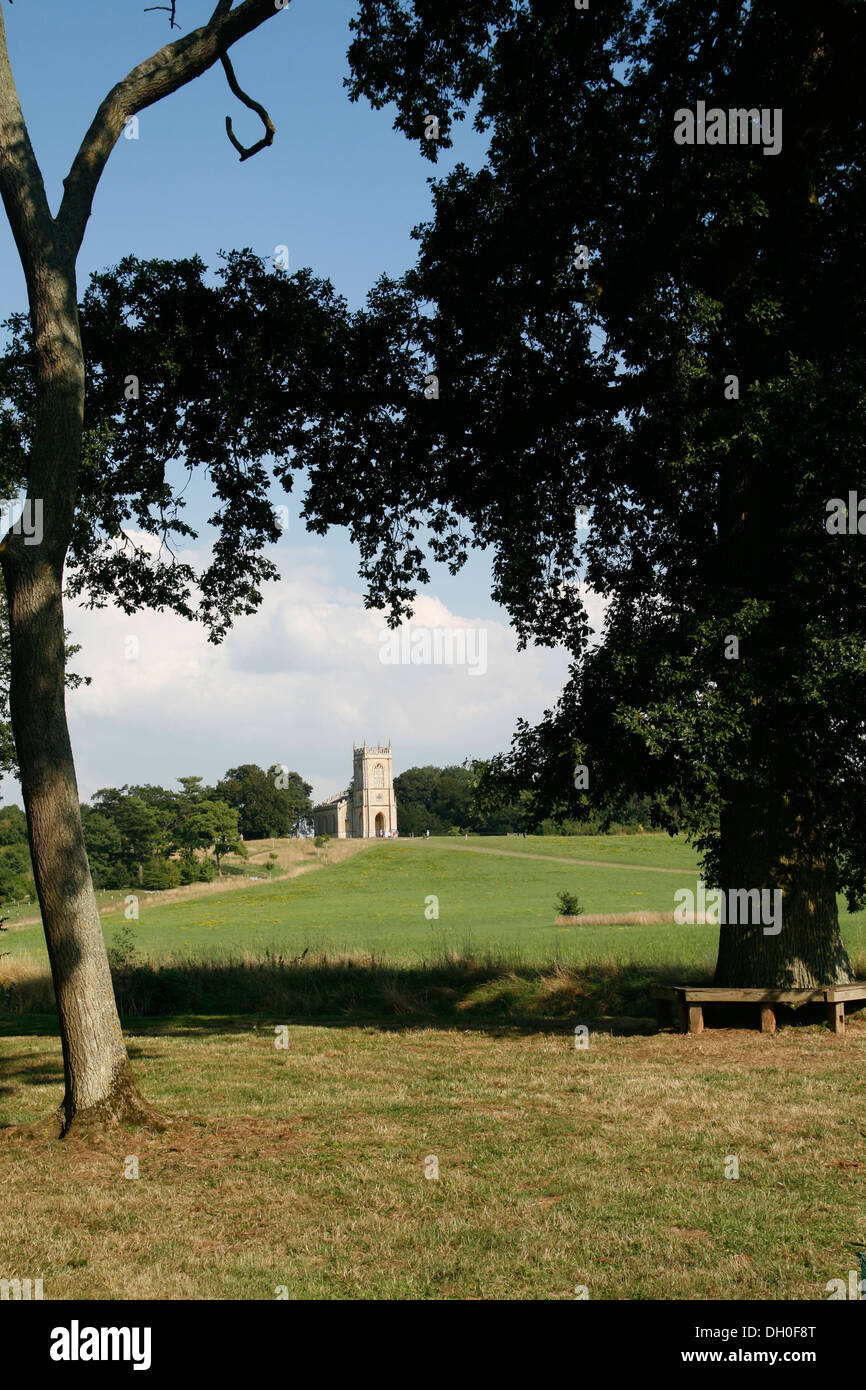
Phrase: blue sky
[342,190]
[338,186]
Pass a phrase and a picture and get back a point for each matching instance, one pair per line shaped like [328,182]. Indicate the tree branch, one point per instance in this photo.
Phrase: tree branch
[172,67]
[171,10]
[21,184]
[270,129]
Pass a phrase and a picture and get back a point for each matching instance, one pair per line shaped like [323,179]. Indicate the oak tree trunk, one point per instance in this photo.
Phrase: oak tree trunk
[98,1078]
[775,846]
[99,1087]
[771,820]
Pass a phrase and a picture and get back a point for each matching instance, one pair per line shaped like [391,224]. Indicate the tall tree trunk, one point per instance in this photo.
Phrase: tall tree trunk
[98,1076]
[772,846]
[771,821]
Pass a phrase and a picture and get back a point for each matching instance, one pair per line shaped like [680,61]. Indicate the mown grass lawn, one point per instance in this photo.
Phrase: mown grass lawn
[377,900]
[558,1168]
[494,895]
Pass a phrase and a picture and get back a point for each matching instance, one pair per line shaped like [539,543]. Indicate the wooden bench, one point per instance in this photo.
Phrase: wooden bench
[690,1000]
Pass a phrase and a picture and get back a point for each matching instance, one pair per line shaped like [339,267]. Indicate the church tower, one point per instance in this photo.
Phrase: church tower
[374,807]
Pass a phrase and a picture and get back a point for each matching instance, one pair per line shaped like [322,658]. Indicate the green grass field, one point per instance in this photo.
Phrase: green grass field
[495,896]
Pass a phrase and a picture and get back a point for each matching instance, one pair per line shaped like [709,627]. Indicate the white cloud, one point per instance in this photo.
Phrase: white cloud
[297,683]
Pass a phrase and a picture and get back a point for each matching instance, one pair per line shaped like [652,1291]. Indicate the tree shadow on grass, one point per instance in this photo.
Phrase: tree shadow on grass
[494,993]
[24,1068]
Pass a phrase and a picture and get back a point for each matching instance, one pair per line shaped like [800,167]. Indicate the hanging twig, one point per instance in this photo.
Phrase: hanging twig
[270,128]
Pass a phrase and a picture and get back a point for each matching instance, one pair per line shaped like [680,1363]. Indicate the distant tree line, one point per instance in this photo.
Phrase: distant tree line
[438,799]
[158,838]
[16,873]
[153,837]
[455,799]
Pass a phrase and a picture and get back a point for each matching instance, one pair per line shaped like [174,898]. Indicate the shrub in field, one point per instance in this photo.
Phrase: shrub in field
[568,905]
[121,952]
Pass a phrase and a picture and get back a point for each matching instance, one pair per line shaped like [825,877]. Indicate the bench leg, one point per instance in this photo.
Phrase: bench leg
[665,1013]
[836,1017]
[768,1019]
[696,1018]
[682,1015]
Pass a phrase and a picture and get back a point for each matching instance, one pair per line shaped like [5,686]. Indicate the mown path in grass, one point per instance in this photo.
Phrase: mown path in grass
[653,849]
[566,859]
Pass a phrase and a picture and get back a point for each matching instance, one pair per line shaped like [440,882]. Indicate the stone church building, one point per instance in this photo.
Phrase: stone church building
[368,808]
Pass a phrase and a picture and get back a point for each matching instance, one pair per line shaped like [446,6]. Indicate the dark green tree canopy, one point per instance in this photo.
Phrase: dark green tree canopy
[131,831]
[276,802]
[603,388]
[182,374]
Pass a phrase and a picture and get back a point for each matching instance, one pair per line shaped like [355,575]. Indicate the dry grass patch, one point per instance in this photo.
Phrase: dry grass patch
[558,1167]
[610,919]
[629,919]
